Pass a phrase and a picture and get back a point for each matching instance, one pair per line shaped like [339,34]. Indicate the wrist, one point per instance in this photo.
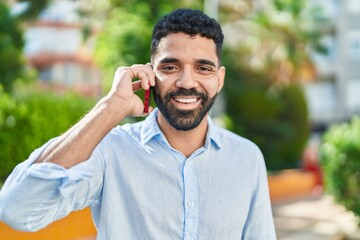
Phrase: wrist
[117,106]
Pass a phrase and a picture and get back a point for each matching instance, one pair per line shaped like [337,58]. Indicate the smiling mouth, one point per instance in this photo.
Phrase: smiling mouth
[186,100]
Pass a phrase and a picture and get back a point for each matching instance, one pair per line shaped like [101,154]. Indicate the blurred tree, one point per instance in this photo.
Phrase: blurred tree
[153,9]
[33,8]
[266,62]
[125,40]
[274,117]
[292,30]
[232,11]
[11,44]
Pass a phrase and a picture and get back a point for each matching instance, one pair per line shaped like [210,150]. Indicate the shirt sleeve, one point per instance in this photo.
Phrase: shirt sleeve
[260,222]
[35,195]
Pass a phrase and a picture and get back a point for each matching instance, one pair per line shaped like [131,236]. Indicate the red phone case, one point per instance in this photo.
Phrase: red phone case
[147,100]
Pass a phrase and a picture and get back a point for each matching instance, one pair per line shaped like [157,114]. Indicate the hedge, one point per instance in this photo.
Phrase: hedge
[28,121]
[275,117]
[340,159]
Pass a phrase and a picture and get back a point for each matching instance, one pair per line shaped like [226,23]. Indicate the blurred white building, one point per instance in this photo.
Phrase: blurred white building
[55,45]
[335,95]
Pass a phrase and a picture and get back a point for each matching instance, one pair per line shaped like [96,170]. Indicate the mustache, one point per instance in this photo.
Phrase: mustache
[186,92]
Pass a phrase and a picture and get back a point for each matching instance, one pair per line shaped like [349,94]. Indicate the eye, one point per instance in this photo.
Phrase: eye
[169,68]
[204,69]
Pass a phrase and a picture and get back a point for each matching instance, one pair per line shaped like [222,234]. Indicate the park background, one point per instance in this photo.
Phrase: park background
[292,87]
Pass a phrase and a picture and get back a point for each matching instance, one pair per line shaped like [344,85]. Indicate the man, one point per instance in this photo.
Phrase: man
[173,176]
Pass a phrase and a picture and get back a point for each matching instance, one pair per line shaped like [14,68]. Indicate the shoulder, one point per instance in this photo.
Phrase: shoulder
[118,144]
[240,150]
[232,140]
[128,130]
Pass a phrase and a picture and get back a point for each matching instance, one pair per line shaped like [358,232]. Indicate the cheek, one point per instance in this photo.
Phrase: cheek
[159,88]
[164,84]
[210,88]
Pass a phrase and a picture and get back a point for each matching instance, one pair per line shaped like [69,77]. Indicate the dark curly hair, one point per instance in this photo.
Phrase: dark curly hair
[191,22]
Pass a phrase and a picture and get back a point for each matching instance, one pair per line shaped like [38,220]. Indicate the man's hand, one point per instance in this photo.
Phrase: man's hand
[124,86]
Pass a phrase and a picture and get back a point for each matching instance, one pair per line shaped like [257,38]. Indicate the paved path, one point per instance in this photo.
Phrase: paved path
[314,219]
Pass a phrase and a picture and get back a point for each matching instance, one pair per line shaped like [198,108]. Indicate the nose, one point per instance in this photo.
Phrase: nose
[186,79]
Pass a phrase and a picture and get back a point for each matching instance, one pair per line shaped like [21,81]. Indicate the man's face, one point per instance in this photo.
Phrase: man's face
[188,79]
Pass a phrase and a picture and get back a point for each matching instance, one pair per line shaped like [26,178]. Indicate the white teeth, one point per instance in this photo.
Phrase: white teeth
[186,100]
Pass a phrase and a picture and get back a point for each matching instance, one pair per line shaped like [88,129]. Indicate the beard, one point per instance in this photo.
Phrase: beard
[183,120]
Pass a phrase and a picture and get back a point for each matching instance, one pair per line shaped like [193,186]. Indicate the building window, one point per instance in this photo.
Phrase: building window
[353,93]
[45,75]
[353,46]
[322,100]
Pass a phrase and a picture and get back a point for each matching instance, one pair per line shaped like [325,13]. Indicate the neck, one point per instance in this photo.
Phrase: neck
[184,141]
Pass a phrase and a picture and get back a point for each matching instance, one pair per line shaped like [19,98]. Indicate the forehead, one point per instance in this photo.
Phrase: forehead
[186,48]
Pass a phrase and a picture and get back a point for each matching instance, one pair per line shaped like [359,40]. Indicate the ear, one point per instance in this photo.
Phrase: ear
[221,78]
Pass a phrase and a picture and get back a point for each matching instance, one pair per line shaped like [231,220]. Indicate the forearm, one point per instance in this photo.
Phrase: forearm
[30,210]
[35,195]
[77,144]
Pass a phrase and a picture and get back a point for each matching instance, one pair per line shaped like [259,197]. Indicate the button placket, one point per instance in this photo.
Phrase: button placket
[190,201]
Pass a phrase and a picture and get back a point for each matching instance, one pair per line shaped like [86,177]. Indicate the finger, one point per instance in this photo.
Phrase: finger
[143,81]
[151,73]
[120,71]
[147,69]
[136,85]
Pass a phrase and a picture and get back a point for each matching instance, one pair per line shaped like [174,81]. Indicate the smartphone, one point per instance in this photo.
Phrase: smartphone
[147,99]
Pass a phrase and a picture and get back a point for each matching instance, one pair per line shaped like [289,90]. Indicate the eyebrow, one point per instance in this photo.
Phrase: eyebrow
[199,61]
[169,60]
[206,62]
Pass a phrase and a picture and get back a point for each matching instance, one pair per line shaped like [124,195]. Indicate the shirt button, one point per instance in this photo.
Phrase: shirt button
[191,204]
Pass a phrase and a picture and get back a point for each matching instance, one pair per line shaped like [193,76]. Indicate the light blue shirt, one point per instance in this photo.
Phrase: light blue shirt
[139,187]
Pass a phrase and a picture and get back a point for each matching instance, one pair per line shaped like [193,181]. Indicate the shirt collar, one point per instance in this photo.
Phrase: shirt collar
[213,134]
[151,129]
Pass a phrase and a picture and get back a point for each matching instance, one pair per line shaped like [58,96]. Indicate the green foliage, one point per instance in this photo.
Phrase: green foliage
[340,158]
[34,8]
[28,121]
[295,7]
[264,96]
[274,117]
[11,44]
[153,9]
[292,29]
[125,40]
